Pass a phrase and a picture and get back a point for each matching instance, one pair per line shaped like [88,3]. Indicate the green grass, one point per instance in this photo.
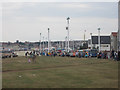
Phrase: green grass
[60,72]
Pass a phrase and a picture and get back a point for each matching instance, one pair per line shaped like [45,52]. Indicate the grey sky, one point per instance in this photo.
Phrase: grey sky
[24,21]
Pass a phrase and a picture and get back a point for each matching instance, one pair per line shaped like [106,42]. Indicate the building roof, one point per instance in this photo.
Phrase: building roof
[103,39]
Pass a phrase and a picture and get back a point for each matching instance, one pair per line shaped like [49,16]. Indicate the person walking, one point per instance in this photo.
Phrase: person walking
[118,55]
[112,53]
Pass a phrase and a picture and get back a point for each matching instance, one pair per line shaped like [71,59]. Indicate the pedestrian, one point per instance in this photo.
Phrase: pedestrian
[118,56]
[79,55]
[108,55]
[115,56]
[54,54]
[26,54]
[86,55]
[102,55]
[112,53]
[33,57]
[105,55]
[29,60]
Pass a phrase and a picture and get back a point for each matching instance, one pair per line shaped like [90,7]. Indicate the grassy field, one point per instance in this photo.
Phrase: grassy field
[59,72]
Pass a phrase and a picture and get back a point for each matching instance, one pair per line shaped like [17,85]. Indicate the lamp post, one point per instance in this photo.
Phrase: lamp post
[99,39]
[66,43]
[40,44]
[67,28]
[91,39]
[48,40]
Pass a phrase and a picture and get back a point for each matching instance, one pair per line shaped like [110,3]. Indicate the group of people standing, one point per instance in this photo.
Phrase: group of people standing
[101,55]
[109,55]
[115,55]
[31,56]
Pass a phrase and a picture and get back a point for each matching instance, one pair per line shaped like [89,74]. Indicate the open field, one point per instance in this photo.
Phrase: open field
[59,72]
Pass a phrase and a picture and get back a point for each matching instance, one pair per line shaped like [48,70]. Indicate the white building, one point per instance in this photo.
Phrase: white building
[105,42]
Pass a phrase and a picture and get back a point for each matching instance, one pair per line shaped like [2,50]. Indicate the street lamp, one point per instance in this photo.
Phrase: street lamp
[66,43]
[40,44]
[67,28]
[91,39]
[48,40]
[99,38]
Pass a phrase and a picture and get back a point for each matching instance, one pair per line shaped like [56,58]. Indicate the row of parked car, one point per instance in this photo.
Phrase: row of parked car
[8,54]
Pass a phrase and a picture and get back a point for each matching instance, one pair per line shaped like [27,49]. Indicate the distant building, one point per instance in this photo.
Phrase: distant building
[114,41]
[104,43]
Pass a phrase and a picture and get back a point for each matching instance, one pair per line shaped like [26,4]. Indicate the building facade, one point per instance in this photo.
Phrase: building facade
[105,43]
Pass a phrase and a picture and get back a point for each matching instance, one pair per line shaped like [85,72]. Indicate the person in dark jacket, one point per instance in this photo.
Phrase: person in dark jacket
[118,55]
[112,53]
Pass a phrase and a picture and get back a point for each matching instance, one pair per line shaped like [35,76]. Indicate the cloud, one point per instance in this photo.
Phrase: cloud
[75,5]
[28,29]
[61,9]
[24,21]
[59,0]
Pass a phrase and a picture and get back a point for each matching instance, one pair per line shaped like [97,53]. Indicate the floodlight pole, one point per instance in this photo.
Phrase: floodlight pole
[68,31]
[40,44]
[99,39]
[48,41]
[66,43]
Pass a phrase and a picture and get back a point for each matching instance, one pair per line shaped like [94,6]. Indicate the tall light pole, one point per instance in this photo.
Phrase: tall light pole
[67,28]
[40,44]
[48,41]
[99,39]
[66,43]
[84,36]
[91,40]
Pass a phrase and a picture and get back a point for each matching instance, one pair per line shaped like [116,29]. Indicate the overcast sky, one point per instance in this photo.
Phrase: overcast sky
[24,21]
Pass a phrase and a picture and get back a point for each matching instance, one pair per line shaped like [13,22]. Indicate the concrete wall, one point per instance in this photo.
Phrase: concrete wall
[21,53]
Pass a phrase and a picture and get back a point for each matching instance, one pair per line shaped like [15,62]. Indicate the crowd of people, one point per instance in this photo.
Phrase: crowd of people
[114,55]
[31,56]
[101,55]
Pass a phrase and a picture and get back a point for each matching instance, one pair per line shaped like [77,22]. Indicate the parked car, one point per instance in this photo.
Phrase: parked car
[14,54]
[6,54]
